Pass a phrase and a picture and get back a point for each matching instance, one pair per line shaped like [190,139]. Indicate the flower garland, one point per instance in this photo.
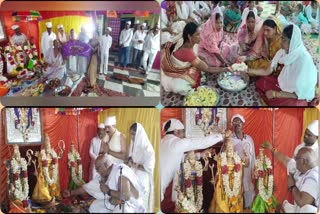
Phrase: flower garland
[264,168]
[54,162]
[21,190]
[74,157]
[11,62]
[225,175]
[199,181]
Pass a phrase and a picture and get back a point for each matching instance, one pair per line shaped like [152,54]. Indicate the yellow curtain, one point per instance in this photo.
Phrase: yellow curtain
[309,115]
[68,23]
[149,118]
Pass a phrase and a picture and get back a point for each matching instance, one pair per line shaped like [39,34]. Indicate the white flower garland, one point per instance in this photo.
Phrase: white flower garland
[76,177]
[237,176]
[21,191]
[265,194]
[49,180]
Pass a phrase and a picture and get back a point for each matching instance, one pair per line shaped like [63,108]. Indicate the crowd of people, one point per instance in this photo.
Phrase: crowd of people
[193,43]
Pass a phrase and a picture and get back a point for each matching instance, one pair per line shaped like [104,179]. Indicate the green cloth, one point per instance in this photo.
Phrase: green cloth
[260,206]
[30,65]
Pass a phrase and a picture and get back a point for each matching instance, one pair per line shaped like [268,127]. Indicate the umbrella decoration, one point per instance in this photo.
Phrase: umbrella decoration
[18,16]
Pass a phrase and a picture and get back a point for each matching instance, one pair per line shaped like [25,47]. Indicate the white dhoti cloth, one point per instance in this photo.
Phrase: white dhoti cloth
[292,208]
[106,43]
[56,68]
[175,85]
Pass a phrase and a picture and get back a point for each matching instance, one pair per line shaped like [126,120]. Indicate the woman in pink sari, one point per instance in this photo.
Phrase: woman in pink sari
[248,32]
[211,48]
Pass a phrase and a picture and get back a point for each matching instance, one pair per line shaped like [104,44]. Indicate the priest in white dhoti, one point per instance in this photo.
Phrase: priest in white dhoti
[174,145]
[82,60]
[18,38]
[124,43]
[47,39]
[96,149]
[62,36]
[55,64]
[114,141]
[310,140]
[138,41]
[106,43]
[244,146]
[142,162]
[116,183]
[304,183]
[151,48]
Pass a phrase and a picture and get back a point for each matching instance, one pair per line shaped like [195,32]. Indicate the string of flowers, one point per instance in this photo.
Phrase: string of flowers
[264,169]
[21,190]
[76,174]
[54,162]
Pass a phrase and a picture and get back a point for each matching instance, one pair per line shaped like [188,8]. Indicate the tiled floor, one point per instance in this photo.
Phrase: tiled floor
[151,88]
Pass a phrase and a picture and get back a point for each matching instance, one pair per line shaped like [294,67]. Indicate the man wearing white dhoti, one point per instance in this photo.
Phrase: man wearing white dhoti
[96,149]
[124,43]
[55,64]
[47,39]
[83,61]
[304,184]
[114,141]
[117,183]
[106,43]
[172,148]
[62,36]
[310,140]
[151,48]
[244,146]
[138,41]
[18,38]
[134,29]
[142,162]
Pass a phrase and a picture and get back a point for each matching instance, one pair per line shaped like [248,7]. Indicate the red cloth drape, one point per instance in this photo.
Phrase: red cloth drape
[288,125]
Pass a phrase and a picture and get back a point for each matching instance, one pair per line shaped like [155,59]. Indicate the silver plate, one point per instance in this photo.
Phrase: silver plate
[205,86]
[239,75]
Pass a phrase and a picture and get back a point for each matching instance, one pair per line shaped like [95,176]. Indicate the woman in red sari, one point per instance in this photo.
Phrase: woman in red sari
[180,66]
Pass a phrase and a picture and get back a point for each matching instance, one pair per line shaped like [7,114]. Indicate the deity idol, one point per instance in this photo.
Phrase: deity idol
[75,167]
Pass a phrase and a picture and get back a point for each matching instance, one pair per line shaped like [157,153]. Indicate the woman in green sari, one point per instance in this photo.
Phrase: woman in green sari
[232,18]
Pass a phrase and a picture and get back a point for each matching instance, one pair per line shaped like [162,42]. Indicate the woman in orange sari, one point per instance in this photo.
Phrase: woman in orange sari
[180,66]
[267,44]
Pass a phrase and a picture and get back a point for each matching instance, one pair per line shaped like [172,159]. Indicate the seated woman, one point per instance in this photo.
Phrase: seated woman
[300,20]
[313,15]
[211,48]
[54,64]
[265,48]
[232,18]
[180,67]
[248,32]
[295,85]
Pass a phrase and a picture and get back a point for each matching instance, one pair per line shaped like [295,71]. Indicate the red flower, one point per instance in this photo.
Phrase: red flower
[260,174]
[187,183]
[224,169]
[199,180]
[15,176]
[237,168]
[44,163]
[9,58]
[25,203]
[73,164]
[11,62]
[79,161]
[66,201]
[24,174]
[269,171]
[54,160]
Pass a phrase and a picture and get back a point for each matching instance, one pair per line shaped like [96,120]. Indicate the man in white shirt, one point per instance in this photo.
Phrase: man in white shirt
[304,183]
[106,43]
[95,149]
[18,38]
[134,29]
[151,48]
[62,36]
[172,148]
[310,140]
[138,41]
[47,39]
[124,43]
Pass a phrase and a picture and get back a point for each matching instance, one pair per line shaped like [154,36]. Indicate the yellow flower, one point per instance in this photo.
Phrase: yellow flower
[269,202]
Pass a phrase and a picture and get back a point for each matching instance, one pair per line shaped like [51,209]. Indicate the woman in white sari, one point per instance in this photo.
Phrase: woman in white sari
[55,65]
[142,161]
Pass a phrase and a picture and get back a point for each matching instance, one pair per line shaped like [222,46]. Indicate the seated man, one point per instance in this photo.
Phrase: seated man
[108,188]
[304,184]
[55,65]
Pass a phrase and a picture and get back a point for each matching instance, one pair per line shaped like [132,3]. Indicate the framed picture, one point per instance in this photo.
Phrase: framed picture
[200,122]
[23,126]
[2,32]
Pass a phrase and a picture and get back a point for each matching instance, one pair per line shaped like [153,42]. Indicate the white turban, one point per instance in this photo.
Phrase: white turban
[49,25]
[144,24]
[110,121]
[165,37]
[109,29]
[175,124]
[101,126]
[60,26]
[239,116]
[128,22]
[14,27]
[136,22]
[314,127]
